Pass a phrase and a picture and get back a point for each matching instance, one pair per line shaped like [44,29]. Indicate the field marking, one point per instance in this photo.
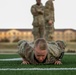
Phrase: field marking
[11,59]
[70,53]
[35,69]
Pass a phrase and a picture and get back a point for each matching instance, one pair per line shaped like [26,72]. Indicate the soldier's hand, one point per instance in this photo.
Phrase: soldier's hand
[58,62]
[25,62]
[50,22]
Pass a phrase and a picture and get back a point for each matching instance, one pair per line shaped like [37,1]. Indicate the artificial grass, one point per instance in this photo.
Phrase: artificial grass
[68,61]
[38,72]
[7,56]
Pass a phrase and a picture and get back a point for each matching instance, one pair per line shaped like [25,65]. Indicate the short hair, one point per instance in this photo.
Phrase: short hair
[41,42]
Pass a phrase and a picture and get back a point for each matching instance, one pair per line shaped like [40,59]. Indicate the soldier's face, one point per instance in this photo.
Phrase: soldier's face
[38,1]
[40,55]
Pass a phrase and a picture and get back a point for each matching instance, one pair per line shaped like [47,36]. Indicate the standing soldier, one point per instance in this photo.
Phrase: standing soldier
[37,11]
[49,20]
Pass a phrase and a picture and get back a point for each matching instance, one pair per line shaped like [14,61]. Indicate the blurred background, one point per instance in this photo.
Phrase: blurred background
[10,37]
[16,23]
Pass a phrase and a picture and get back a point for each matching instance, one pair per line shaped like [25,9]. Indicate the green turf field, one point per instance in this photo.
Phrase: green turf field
[69,61]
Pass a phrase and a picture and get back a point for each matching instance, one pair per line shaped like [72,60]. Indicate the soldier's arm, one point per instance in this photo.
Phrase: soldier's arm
[49,12]
[51,16]
[62,46]
[33,11]
[24,49]
[54,49]
[58,59]
[46,12]
[52,12]
[40,10]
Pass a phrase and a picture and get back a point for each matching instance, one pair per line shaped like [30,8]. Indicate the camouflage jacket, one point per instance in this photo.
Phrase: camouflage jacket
[26,50]
[49,11]
[38,14]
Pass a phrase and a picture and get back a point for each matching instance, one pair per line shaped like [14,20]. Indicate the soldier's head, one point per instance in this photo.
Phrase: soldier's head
[40,49]
[38,2]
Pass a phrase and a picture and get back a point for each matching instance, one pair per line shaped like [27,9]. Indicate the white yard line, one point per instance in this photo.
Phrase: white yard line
[70,53]
[11,59]
[18,69]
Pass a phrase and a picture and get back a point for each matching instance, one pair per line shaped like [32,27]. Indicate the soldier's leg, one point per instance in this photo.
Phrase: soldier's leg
[46,32]
[35,32]
[52,28]
[41,31]
[50,32]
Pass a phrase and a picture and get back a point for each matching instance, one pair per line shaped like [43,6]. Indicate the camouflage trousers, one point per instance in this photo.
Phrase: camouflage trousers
[38,32]
[49,32]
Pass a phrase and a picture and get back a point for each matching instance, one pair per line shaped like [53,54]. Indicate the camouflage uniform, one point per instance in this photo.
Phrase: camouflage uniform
[49,15]
[55,52]
[38,21]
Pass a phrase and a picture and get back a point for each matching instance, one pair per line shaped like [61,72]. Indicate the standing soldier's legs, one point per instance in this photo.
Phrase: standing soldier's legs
[49,32]
[41,31]
[52,28]
[46,33]
[35,32]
